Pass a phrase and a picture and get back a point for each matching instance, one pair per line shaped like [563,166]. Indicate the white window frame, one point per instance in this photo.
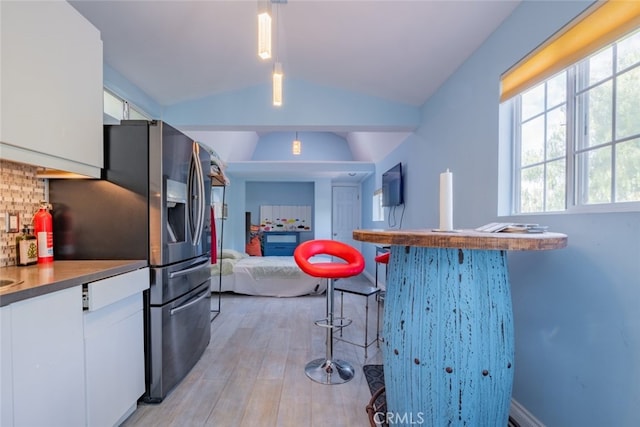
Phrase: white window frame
[128,108]
[377,210]
[573,182]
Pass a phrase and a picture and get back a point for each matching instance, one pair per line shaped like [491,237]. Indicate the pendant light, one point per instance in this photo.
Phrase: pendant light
[265,42]
[277,65]
[264,29]
[296,147]
[277,84]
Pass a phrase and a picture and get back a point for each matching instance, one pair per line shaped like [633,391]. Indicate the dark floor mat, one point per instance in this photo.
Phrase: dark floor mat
[375,379]
[375,376]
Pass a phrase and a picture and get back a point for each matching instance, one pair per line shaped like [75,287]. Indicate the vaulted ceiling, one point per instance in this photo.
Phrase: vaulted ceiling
[400,51]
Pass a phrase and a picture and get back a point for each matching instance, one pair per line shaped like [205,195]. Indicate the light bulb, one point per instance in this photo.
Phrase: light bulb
[277,84]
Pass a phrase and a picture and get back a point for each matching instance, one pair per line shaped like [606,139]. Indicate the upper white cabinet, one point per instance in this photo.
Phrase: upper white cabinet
[51,78]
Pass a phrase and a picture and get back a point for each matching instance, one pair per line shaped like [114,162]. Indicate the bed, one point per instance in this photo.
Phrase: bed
[275,276]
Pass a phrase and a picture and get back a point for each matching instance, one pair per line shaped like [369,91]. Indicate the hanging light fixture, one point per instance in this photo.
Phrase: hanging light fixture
[277,84]
[278,75]
[264,44]
[264,29]
[296,147]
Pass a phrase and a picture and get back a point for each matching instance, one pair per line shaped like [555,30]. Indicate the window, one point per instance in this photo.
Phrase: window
[577,134]
[116,109]
[376,208]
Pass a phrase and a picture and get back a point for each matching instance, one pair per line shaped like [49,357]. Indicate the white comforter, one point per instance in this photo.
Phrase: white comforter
[266,276]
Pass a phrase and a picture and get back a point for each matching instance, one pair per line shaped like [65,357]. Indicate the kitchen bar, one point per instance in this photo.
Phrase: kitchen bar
[448,325]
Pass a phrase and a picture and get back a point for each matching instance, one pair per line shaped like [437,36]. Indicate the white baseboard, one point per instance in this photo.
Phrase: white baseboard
[523,417]
[369,276]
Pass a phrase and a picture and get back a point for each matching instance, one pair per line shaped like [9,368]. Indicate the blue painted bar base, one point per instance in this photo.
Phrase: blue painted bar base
[449,341]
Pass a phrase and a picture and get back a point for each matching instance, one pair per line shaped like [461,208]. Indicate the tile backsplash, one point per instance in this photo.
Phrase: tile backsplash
[20,191]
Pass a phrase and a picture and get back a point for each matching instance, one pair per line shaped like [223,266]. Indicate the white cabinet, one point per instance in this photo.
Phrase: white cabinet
[51,77]
[62,365]
[48,360]
[6,382]
[114,347]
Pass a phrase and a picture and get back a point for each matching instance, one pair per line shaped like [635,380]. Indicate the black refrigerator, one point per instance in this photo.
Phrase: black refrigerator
[153,203]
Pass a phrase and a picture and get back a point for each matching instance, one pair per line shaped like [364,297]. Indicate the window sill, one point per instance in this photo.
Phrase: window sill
[585,209]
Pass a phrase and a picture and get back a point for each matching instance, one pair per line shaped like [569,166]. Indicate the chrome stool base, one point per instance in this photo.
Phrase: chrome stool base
[325,371]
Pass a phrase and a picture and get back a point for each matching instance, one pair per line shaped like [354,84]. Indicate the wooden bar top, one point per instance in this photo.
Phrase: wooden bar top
[464,239]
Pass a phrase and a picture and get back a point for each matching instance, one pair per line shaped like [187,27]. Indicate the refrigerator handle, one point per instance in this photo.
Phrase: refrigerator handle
[203,199]
[201,194]
[178,273]
[189,304]
[197,176]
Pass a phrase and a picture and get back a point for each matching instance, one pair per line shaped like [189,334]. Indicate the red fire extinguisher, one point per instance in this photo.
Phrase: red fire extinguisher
[43,225]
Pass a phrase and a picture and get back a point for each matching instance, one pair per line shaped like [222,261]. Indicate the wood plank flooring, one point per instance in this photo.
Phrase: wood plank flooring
[252,373]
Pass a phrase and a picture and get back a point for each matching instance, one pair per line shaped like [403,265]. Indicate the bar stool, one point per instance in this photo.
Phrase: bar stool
[381,259]
[323,370]
[365,291]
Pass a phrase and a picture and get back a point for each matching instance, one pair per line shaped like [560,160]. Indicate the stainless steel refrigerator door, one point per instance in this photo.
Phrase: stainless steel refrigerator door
[178,199]
[178,335]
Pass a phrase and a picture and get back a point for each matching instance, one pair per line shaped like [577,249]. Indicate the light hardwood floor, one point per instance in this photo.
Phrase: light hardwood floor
[252,373]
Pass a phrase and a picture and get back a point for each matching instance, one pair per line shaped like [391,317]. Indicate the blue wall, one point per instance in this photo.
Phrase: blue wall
[120,86]
[304,105]
[239,203]
[316,146]
[576,310]
[279,193]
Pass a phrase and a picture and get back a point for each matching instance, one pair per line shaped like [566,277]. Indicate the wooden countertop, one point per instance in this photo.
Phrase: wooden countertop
[40,279]
[464,239]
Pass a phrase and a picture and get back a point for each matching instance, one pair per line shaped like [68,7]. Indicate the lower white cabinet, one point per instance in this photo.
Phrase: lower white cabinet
[48,360]
[114,347]
[6,382]
[65,365]
[114,359]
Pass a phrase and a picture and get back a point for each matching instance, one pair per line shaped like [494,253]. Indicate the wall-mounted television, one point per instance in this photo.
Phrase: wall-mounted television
[392,187]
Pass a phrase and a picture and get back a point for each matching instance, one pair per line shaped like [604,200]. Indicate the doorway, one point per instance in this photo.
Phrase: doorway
[345,214]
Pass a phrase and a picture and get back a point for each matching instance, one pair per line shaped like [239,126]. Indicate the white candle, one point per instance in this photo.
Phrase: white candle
[446,201]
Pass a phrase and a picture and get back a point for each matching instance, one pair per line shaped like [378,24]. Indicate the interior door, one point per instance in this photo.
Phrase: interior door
[345,214]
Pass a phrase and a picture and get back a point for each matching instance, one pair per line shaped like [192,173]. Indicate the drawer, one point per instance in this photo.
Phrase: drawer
[107,291]
[279,250]
[280,243]
[281,238]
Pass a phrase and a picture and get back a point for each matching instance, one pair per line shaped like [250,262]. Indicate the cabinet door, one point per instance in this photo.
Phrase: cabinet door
[6,366]
[114,346]
[114,352]
[51,77]
[48,360]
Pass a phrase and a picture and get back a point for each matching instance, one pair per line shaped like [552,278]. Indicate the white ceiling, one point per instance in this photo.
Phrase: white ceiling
[400,50]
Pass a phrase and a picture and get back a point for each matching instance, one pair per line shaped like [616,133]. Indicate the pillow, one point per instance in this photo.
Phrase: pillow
[253,247]
[232,254]
[225,264]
